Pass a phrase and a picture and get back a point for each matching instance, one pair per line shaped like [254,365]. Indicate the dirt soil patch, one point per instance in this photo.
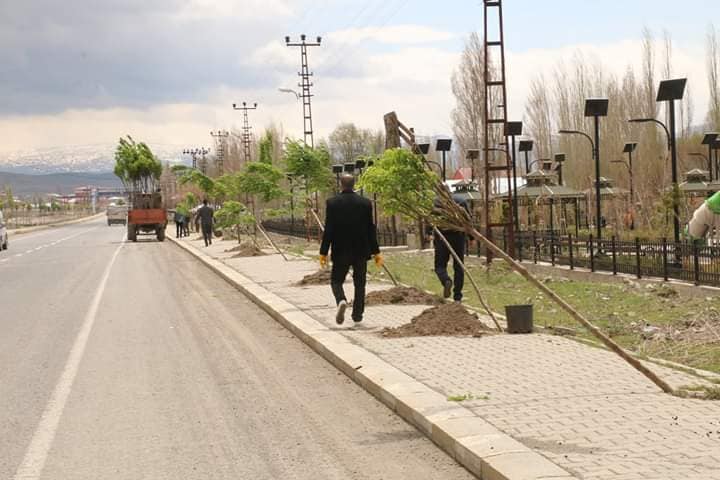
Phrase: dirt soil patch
[321,277]
[402,296]
[451,320]
[246,250]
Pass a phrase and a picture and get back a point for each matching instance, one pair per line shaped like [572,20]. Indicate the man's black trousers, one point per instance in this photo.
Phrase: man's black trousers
[178,229]
[207,234]
[337,277]
[442,257]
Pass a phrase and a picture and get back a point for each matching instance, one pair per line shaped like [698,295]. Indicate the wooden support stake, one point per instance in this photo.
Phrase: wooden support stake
[267,237]
[569,309]
[472,280]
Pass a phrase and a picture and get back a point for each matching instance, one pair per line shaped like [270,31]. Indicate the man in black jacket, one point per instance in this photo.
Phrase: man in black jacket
[206,215]
[458,242]
[350,234]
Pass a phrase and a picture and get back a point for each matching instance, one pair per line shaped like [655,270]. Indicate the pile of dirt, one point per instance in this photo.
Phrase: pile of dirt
[402,296]
[444,320]
[321,277]
[246,250]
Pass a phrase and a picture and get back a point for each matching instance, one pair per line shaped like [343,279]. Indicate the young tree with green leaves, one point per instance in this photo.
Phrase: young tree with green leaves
[236,217]
[136,166]
[312,165]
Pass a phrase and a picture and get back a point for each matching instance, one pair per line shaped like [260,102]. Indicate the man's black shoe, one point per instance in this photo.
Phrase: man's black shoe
[447,288]
[340,314]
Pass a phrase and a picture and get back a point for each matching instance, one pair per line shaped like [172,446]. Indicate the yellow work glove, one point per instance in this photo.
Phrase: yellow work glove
[379,262]
[323,261]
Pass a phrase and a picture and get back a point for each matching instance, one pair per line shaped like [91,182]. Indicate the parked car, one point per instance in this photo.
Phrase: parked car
[117,214]
[3,233]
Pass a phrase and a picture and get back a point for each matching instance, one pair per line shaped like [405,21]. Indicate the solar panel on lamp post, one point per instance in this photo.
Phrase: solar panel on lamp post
[443,145]
[526,146]
[710,139]
[424,148]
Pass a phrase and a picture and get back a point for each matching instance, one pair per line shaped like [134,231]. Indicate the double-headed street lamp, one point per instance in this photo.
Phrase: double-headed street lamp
[669,91]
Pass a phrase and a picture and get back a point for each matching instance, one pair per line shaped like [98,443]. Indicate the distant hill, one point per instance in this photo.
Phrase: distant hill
[62,183]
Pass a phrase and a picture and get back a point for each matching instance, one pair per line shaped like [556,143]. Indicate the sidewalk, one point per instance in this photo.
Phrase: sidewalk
[581,408]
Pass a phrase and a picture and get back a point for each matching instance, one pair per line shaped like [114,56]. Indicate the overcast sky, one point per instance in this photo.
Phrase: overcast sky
[167,71]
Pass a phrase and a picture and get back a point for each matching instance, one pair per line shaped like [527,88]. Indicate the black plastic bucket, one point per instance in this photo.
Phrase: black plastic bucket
[519,318]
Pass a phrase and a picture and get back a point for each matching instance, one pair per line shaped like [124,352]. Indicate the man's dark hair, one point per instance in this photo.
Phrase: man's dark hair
[347,182]
[205,201]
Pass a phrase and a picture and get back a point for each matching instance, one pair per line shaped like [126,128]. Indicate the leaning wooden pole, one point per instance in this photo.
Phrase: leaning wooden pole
[570,310]
[267,237]
[472,280]
[455,218]
[322,229]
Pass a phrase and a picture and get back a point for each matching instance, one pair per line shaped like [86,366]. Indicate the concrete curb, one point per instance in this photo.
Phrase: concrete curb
[474,443]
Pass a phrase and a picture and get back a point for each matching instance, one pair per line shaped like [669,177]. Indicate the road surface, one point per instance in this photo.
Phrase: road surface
[133,361]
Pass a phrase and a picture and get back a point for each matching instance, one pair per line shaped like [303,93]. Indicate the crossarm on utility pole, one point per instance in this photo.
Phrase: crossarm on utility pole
[472,280]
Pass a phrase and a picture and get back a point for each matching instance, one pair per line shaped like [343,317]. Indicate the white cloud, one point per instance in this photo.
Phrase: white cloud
[223,9]
[393,34]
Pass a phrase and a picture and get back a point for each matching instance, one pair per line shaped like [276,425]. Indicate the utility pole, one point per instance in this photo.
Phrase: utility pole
[194,153]
[305,85]
[246,128]
[220,146]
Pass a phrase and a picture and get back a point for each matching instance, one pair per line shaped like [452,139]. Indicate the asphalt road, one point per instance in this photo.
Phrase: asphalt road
[133,361]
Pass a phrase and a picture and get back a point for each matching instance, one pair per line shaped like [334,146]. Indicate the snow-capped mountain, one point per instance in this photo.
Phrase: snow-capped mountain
[76,158]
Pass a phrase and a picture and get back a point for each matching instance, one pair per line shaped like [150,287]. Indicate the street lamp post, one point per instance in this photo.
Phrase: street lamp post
[598,205]
[710,140]
[512,130]
[560,160]
[526,147]
[669,91]
[337,170]
[443,145]
[629,149]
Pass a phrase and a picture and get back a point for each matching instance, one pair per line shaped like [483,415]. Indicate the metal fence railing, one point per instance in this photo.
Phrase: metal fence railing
[299,228]
[690,262]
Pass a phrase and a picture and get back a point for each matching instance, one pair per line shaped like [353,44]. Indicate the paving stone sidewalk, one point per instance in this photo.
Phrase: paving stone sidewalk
[581,407]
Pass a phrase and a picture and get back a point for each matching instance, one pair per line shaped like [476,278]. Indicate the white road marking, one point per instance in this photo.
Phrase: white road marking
[36,454]
[53,243]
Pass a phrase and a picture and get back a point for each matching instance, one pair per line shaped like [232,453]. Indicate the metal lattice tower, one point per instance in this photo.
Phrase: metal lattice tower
[246,137]
[496,118]
[305,85]
[194,153]
[220,149]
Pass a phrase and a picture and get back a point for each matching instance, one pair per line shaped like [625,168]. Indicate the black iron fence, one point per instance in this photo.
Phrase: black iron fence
[699,264]
[299,228]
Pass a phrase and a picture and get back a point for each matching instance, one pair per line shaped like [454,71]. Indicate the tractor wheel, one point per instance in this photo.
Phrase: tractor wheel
[160,231]
[132,233]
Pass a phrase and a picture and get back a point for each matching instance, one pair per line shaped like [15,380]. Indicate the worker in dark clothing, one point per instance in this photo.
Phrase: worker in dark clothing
[458,242]
[206,217]
[179,221]
[351,237]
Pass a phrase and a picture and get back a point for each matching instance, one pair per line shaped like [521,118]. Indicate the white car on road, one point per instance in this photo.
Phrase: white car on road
[3,233]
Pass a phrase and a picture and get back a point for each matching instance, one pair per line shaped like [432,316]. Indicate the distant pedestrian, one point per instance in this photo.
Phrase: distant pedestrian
[206,217]
[351,237]
[458,242]
[179,221]
[186,226]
